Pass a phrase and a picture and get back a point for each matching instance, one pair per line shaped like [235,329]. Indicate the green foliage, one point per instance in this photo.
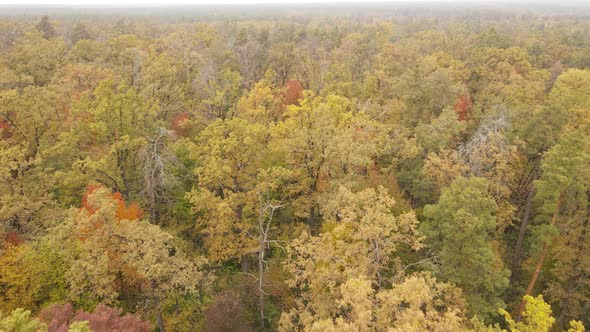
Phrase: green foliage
[20,320]
[458,228]
[34,59]
[79,326]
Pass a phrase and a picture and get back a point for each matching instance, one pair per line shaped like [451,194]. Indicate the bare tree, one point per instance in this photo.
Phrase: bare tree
[158,164]
[476,152]
[265,218]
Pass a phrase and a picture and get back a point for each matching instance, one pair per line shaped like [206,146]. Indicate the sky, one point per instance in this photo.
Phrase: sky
[141,3]
[180,2]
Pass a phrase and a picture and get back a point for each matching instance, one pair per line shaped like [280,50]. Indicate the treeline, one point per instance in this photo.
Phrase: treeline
[314,173]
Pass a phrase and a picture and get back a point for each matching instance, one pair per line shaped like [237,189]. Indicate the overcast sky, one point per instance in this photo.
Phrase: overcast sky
[208,2]
[179,2]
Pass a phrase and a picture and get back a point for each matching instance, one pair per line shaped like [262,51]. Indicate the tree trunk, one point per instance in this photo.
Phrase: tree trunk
[261,283]
[311,220]
[160,318]
[245,263]
[160,321]
[561,319]
[521,233]
[539,265]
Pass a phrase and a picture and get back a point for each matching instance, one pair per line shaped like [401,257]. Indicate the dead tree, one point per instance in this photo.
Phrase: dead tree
[158,164]
[490,133]
[265,219]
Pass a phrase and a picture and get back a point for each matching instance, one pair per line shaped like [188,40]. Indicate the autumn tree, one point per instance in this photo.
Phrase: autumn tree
[111,124]
[345,278]
[34,59]
[32,275]
[537,317]
[118,255]
[32,119]
[263,104]
[61,318]
[229,155]
[281,61]
[563,175]
[159,83]
[221,93]
[325,144]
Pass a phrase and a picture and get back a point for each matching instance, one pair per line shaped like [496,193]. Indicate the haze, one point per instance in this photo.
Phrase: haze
[146,3]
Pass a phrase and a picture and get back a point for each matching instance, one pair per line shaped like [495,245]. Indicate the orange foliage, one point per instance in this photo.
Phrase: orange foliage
[13,238]
[294,92]
[124,211]
[180,124]
[4,130]
[463,107]
[85,204]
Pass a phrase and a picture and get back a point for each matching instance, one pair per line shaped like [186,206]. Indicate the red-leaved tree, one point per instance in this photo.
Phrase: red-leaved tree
[124,211]
[294,92]
[463,107]
[104,319]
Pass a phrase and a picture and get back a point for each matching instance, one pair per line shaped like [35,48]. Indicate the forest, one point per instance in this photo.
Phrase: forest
[396,168]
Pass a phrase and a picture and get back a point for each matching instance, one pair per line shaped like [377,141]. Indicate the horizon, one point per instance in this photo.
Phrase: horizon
[279,3]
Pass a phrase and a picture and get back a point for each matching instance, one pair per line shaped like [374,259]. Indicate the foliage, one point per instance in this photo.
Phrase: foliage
[63,318]
[459,229]
[20,320]
[329,168]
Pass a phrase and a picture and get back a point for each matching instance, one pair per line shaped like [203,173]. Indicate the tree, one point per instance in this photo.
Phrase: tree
[118,254]
[32,120]
[222,92]
[560,192]
[265,239]
[103,319]
[159,165]
[411,305]
[87,51]
[281,61]
[80,32]
[537,317]
[562,166]
[458,229]
[293,92]
[159,83]
[110,125]
[32,275]
[323,141]
[251,56]
[426,90]
[490,154]
[34,59]
[45,27]
[123,56]
[568,287]
[229,154]
[349,264]
[263,104]
[504,76]
[20,320]
[227,313]
[442,132]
